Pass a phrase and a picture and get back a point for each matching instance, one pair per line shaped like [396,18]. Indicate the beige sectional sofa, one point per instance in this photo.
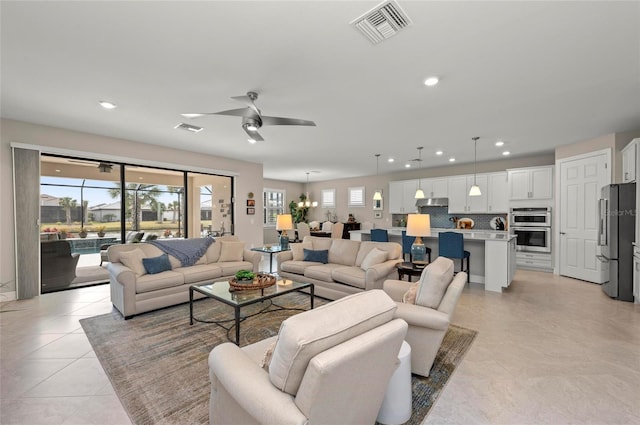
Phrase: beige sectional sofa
[133,291]
[352,267]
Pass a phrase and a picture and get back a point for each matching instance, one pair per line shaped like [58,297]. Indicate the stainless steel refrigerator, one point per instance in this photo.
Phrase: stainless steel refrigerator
[616,233]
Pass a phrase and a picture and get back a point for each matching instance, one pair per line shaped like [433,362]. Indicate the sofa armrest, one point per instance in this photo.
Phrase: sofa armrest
[425,317]
[249,385]
[284,256]
[122,274]
[253,257]
[396,288]
[378,272]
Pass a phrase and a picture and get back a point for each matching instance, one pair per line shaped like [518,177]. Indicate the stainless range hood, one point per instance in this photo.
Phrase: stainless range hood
[432,202]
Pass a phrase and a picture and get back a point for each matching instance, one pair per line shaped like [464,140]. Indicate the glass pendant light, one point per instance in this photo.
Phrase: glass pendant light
[377,195]
[419,193]
[475,189]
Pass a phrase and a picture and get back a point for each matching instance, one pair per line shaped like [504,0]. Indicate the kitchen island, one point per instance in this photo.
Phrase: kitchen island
[493,253]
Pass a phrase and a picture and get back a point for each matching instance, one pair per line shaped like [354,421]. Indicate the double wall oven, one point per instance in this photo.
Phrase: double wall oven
[532,227]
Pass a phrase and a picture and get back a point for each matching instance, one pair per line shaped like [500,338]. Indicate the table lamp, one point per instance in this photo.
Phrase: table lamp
[418,225]
[284,222]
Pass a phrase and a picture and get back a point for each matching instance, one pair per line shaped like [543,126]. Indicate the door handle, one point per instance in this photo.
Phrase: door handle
[562,233]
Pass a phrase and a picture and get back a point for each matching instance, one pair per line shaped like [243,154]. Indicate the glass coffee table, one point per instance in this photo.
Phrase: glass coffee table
[270,249]
[241,298]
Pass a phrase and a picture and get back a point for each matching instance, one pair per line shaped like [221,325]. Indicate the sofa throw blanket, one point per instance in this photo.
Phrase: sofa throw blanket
[188,251]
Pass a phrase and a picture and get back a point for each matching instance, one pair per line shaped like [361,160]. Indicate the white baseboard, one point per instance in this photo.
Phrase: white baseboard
[7,296]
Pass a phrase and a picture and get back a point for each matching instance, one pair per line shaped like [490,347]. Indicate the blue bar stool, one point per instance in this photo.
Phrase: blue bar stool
[407,241]
[379,235]
[451,245]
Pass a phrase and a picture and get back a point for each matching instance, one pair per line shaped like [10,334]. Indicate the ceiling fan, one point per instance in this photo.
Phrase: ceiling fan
[252,118]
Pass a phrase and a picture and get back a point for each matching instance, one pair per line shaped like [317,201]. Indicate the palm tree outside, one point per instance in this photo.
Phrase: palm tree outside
[67,203]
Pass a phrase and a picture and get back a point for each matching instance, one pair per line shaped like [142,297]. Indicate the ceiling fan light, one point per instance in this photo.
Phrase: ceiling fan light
[475,190]
[252,141]
[419,194]
[252,127]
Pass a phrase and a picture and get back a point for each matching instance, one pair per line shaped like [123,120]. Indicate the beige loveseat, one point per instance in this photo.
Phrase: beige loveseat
[330,365]
[352,266]
[133,291]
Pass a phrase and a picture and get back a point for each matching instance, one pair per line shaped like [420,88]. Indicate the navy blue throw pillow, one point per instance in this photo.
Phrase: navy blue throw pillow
[157,264]
[321,256]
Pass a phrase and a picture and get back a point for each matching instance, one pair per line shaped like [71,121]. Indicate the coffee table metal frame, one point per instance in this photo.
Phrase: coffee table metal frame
[220,291]
[273,249]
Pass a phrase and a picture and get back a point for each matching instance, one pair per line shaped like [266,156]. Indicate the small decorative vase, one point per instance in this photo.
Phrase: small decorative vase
[101,234]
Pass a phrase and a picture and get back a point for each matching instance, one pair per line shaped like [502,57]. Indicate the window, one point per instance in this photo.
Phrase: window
[273,205]
[328,198]
[356,196]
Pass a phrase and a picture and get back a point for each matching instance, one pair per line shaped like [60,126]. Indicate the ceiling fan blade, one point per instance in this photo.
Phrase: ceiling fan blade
[242,112]
[247,101]
[254,135]
[285,121]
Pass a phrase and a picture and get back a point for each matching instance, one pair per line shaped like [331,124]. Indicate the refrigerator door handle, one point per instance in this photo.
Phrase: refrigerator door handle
[602,229]
[602,258]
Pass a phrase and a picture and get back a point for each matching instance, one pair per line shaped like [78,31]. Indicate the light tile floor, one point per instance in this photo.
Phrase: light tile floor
[549,350]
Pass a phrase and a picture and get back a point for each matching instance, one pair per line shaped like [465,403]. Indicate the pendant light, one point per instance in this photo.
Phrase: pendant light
[307,202]
[419,192]
[475,189]
[377,195]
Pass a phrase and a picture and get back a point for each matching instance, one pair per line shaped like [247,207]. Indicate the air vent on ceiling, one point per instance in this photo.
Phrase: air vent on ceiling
[383,21]
[188,127]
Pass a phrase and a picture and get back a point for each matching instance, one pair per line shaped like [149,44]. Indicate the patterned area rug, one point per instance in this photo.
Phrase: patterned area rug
[157,362]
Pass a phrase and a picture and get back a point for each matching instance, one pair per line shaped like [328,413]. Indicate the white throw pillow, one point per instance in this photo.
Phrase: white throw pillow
[231,251]
[133,260]
[297,249]
[375,256]
[434,281]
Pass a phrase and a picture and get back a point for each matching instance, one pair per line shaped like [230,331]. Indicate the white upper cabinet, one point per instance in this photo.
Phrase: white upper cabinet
[530,183]
[459,199]
[498,201]
[435,187]
[402,196]
[629,162]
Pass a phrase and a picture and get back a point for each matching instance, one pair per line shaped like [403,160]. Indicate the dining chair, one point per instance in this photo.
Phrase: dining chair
[451,245]
[336,230]
[407,241]
[379,235]
[326,226]
[303,230]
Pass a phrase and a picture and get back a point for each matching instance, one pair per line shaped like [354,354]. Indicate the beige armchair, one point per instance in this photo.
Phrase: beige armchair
[428,325]
[330,365]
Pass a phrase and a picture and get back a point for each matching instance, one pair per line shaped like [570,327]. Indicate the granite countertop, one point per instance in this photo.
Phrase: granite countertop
[471,234]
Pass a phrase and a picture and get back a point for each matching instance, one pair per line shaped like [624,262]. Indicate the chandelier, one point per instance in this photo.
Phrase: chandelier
[307,202]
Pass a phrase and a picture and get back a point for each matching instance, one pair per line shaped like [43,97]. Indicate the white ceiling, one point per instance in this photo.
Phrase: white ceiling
[535,74]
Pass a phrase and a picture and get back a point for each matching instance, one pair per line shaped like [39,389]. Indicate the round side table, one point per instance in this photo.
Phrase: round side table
[397,404]
[408,269]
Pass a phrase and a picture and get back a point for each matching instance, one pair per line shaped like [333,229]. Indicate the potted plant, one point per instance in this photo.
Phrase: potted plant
[100,230]
[82,233]
[62,233]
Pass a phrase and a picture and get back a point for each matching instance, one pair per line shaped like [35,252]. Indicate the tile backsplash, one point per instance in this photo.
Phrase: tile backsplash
[440,218]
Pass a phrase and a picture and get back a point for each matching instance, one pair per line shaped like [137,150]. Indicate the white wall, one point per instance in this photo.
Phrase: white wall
[51,139]
[292,192]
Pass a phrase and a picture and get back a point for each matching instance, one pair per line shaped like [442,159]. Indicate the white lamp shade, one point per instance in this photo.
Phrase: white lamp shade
[419,194]
[377,196]
[419,225]
[475,190]
[284,222]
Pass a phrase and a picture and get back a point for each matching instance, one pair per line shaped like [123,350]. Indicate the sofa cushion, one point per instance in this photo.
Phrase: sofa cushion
[213,252]
[175,263]
[305,335]
[133,260]
[231,251]
[200,272]
[409,297]
[375,256]
[343,251]
[393,250]
[352,276]
[296,266]
[153,282]
[318,243]
[319,256]
[232,267]
[434,281]
[321,272]
[297,250]
[157,264]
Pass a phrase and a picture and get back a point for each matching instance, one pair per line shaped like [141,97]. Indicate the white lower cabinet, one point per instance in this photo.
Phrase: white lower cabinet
[534,261]
[499,264]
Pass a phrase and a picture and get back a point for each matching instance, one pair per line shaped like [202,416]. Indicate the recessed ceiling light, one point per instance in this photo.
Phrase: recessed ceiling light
[107,105]
[57,171]
[499,143]
[252,141]
[139,178]
[407,165]
[452,160]
[439,152]
[390,160]
[431,81]
[505,153]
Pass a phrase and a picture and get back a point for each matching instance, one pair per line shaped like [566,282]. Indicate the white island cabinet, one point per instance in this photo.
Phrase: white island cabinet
[493,253]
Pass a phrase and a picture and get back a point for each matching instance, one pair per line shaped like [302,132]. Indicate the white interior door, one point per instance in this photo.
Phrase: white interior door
[580,183]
